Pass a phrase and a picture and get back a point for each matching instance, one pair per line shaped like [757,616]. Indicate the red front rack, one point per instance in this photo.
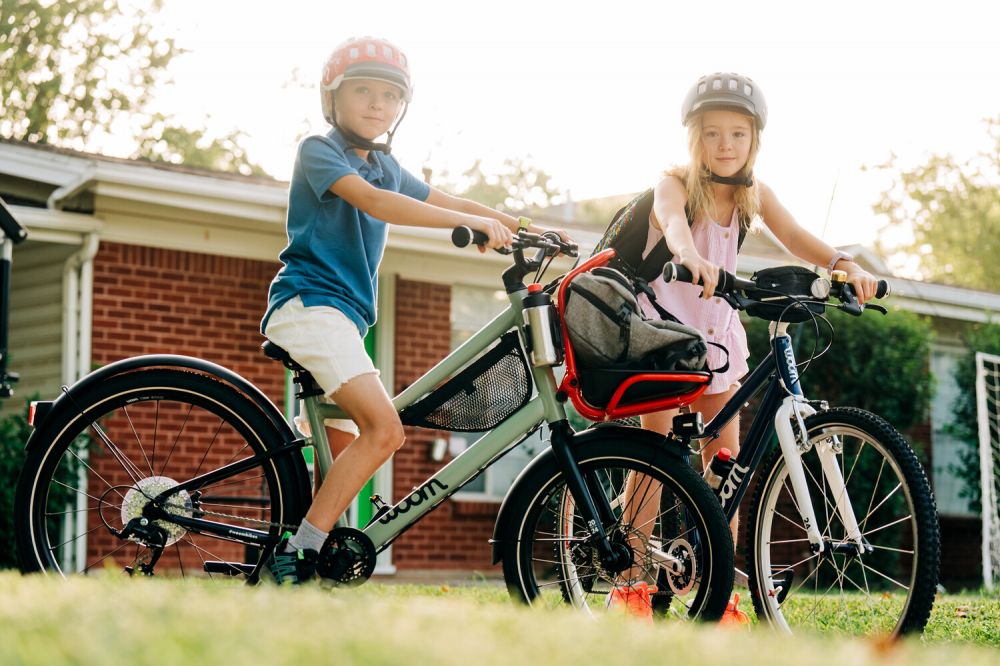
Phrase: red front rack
[615,409]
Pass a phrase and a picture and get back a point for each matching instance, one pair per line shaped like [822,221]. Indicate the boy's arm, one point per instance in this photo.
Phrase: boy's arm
[444,200]
[400,209]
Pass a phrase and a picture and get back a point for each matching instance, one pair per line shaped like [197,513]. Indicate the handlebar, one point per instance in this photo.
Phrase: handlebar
[731,287]
[548,241]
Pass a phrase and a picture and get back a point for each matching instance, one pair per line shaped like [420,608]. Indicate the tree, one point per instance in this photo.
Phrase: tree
[72,70]
[168,142]
[891,379]
[519,184]
[954,212]
[965,427]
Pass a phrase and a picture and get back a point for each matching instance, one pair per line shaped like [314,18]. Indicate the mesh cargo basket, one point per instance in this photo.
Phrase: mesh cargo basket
[481,396]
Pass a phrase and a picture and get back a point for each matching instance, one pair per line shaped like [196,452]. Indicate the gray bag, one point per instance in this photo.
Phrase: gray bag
[607,329]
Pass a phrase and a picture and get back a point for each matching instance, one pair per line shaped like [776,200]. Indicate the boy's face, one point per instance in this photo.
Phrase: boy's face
[367,107]
[727,136]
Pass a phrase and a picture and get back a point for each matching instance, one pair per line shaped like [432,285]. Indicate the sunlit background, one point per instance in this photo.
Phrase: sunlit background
[592,90]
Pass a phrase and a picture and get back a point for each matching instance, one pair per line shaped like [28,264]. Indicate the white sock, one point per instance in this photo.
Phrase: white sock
[308,537]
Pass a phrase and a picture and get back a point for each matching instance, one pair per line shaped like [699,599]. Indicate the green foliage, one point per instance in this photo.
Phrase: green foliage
[71,67]
[876,363]
[983,338]
[14,431]
[168,142]
[517,185]
[72,71]
[953,210]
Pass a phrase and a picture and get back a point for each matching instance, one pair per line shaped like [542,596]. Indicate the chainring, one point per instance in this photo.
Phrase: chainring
[347,557]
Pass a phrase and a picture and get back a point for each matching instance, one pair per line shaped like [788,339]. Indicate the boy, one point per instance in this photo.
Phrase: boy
[345,188]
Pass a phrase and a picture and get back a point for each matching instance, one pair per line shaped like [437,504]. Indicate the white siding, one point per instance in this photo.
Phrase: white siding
[36,320]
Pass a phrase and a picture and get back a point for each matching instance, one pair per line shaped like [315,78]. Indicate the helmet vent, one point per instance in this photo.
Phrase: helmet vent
[747,90]
[354,54]
[717,84]
[732,84]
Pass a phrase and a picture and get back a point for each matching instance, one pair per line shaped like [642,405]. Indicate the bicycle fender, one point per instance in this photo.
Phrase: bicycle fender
[547,457]
[68,399]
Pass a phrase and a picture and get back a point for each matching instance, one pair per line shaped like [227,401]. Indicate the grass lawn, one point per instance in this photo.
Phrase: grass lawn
[91,621]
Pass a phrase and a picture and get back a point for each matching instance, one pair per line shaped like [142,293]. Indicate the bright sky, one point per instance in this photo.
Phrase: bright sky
[592,90]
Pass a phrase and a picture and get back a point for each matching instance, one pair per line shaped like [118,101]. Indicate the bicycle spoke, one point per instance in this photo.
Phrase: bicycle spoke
[895,522]
[892,580]
[891,493]
[138,441]
[91,566]
[176,439]
[209,449]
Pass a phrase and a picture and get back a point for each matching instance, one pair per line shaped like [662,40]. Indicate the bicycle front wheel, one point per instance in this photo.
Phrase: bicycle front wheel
[886,587]
[91,471]
[549,557]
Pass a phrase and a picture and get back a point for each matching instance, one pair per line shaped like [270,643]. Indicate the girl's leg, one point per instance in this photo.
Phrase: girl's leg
[366,402]
[642,494]
[729,437]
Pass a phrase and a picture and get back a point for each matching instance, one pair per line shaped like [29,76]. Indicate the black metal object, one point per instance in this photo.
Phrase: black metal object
[13,233]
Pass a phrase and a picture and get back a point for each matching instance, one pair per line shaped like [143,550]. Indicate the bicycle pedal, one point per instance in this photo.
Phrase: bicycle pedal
[229,568]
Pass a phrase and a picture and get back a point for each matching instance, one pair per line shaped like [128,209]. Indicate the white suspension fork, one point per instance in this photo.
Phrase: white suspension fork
[827,453]
[792,407]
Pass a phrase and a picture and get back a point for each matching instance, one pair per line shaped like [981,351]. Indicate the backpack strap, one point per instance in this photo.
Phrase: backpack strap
[628,233]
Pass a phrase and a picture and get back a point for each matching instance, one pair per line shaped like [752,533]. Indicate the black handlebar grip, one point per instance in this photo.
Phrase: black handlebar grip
[672,271]
[883,289]
[461,236]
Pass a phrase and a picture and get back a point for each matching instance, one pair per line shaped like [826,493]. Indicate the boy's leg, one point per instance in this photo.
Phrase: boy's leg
[364,399]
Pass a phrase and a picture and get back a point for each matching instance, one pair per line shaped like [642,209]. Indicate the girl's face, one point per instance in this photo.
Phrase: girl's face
[367,107]
[726,137]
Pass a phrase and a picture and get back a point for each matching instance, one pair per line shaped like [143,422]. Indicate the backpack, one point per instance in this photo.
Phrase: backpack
[606,328]
[628,233]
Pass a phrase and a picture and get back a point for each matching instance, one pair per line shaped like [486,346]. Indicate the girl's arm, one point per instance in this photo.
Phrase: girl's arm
[806,246]
[450,202]
[669,198]
[396,208]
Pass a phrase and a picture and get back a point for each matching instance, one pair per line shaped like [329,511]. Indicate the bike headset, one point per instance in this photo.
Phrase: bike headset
[733,92]
[365,58]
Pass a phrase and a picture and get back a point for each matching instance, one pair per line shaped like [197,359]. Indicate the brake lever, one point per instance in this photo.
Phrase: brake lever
[876,308]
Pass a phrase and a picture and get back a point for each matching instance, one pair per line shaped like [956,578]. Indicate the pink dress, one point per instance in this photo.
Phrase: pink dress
[715,318]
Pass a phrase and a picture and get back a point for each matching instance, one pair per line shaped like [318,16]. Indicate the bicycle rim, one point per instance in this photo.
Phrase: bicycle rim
[136,440]
[842,590]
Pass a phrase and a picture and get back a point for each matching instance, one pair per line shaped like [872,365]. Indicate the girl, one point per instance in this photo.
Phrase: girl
[724,115]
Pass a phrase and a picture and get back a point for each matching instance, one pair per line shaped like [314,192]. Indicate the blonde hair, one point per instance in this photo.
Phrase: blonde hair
[697,179]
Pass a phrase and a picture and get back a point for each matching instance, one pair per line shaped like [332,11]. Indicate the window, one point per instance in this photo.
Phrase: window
[471,308]
[945,447]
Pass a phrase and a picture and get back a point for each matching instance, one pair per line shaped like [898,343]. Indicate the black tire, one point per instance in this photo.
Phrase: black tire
[158,428]
[548,561]
[888,590]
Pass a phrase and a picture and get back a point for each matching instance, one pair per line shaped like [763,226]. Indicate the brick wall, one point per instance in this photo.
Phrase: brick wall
[150,300]
[456,534]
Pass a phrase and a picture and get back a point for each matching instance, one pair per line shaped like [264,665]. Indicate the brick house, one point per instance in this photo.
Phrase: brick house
[128,258]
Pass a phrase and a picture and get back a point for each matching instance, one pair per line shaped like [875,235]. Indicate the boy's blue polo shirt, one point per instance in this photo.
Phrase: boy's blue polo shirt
[334,249]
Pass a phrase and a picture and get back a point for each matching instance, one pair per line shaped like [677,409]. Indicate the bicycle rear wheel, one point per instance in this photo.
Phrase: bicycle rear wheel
[90,471]
[550,559]
[887,589]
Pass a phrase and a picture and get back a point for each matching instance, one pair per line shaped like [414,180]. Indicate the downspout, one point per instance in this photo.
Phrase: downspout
[78,277]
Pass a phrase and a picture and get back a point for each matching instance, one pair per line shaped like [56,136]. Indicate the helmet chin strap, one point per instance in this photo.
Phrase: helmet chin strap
[355,140]
[745,181]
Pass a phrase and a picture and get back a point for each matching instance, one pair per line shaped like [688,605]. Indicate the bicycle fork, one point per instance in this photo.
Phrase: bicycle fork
[592,504]
[792,412]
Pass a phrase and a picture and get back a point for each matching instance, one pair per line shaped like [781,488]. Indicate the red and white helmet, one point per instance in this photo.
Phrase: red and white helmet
[364,58]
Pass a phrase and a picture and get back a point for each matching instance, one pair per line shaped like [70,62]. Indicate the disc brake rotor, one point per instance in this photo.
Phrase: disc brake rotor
[681,583]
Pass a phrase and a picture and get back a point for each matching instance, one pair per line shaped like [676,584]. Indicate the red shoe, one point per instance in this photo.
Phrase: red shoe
[733,615]
[634,599]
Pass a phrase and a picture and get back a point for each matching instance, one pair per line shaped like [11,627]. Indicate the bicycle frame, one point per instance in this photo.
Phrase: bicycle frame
[783,404]
[544,406]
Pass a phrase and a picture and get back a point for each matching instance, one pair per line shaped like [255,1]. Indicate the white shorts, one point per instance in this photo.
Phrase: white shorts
[326,343]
